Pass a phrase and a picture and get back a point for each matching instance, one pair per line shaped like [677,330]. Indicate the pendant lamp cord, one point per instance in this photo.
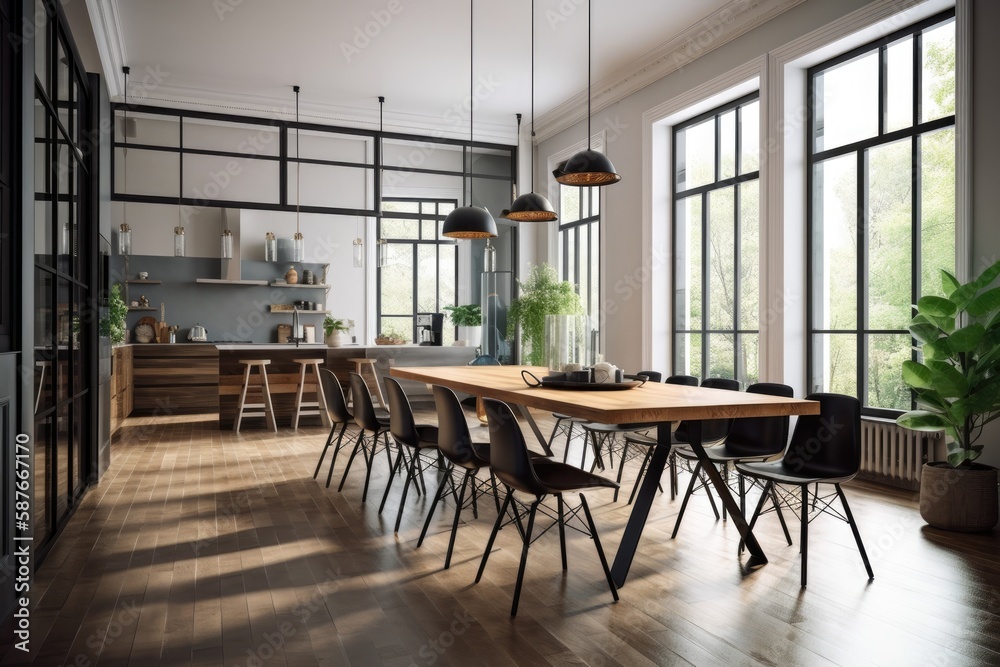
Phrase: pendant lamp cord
[298,162]
[590,4]
[531,144]
[472,101]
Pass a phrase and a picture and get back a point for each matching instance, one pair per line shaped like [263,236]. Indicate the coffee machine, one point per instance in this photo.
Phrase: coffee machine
[429,328]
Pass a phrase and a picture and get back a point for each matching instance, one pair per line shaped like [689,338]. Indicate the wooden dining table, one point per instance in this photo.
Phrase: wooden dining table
[652,402]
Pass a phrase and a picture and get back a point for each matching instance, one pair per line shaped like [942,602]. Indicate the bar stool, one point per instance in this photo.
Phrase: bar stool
[366,369]
[317,407]
[265,390]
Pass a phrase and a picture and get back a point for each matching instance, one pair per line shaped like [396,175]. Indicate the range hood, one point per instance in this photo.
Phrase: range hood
[231,270]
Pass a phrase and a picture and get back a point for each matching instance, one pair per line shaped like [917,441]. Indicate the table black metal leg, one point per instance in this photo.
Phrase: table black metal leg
[640,509]
[757,557]
[534,427]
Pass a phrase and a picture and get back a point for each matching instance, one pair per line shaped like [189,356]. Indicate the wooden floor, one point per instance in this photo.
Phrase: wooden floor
[208,548]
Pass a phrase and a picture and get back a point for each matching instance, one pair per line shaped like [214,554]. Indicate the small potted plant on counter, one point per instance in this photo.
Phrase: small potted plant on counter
[335,331]
[957,388]
[469,320]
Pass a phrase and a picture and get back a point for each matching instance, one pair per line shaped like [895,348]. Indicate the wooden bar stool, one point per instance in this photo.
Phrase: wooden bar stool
[366,369]
[317,407]
[265,390]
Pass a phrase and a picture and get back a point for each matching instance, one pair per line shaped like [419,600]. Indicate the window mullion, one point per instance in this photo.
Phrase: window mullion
[736,280]
[705,301]
[861,344]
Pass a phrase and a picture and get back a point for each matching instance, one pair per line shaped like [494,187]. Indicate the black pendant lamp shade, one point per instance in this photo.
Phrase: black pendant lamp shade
[587,168]
[531,207]
[470,222]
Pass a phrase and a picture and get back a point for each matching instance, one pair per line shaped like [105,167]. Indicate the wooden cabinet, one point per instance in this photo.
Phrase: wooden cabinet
[176,379]
[121,385]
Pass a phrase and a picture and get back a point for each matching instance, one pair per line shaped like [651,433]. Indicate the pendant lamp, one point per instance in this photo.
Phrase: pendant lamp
[124,230]
[530,207]
[298,243]
[470,222]
[587,168]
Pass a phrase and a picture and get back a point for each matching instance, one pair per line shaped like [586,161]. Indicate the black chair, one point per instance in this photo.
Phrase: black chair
[455,443]
[825,449]
[713,431]
[513,465]
[369,423]
[336,407]
[749,439]
[408,435]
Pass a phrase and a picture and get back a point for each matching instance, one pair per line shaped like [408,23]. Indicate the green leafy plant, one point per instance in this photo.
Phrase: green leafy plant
[469,315]
[331,324]
[957,385]
[113,326]
[541,294]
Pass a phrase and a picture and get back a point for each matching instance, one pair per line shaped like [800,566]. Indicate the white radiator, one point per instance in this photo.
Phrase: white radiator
[893,455]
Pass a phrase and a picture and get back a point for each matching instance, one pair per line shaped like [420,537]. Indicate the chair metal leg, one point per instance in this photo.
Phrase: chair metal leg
[493,535]
[804,547]
[369,463]
[430,513]
[496,493]
[414,470]
[725,479]
[336,451]
[458,513]
[854,529]
[687,496]
[475,505]
[597,544]
[621,469]
[768,487]
[781,515]
[329,441]
[359,444]
[524,556]
[562,528]
[392,474]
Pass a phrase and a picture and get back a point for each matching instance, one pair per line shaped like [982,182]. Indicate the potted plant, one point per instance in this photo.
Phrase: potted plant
[469,320]
[113,326]
[334,330]
[390,336]
[957,388]
[541,294]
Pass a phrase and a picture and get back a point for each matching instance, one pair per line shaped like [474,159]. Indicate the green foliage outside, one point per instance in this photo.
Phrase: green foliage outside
[889,240]
[541,294]
[958,383]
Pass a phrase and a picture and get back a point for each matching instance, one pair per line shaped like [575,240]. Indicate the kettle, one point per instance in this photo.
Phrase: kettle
[198,333]
[605,372]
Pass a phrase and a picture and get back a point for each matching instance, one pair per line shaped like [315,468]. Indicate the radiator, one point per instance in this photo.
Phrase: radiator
[893,455]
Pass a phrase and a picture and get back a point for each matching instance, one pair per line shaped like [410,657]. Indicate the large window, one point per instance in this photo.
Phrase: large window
[419,274]
[882,206]
[580,249]
[716,242]
[8,72]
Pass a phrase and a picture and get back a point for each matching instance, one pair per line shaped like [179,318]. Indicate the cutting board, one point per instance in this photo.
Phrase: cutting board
[284,332]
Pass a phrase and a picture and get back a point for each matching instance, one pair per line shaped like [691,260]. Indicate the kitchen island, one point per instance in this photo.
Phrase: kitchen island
[283,372]
[206,378]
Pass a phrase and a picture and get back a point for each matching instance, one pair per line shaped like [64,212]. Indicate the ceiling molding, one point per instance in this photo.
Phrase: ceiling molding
[735,19]
[263,106]
[106,21]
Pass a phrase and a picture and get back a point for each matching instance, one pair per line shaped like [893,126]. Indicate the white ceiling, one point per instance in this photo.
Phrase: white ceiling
[247,54]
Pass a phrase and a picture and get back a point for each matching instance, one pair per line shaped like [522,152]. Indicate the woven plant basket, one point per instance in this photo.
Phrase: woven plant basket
[960,499]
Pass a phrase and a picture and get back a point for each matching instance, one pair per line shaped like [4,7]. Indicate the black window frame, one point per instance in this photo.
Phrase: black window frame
[704,191]
[438,241]
[572,228]
[916,129]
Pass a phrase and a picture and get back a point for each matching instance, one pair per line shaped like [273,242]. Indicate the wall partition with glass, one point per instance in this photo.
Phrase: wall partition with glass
[716,260]
[65,310]
[881,206]
[185,167]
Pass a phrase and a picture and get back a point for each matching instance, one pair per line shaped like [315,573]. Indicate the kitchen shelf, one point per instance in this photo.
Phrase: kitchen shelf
[224,281]
[143,282]
[300,285]
[301,312]
[149,308]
